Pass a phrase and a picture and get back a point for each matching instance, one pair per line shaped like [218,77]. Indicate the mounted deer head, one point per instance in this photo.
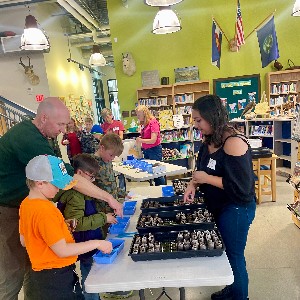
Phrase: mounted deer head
[33,78]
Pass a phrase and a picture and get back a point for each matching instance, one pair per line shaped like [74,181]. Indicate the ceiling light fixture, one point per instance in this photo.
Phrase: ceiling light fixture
[161,2]
[296,9]
[97,59]
[166,21]
[33,38]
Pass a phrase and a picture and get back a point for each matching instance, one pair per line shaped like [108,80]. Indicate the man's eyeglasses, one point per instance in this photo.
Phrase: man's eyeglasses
[92,176]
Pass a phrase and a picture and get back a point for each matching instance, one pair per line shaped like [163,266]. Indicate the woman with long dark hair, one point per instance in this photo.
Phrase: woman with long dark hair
[225,175]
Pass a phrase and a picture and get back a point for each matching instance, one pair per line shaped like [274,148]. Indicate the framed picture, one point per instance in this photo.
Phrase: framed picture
[186,74]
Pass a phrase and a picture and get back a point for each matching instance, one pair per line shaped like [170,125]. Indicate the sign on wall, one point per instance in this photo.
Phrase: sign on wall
[237,92]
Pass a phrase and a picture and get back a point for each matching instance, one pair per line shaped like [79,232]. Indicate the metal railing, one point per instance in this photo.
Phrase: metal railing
[12,113]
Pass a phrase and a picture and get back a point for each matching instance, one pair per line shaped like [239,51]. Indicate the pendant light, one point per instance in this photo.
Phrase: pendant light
[33,38]
[296,9]
[166,21]
[97,59]
[161,2]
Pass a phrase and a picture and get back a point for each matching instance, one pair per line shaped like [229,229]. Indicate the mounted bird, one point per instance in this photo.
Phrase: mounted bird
[248,107]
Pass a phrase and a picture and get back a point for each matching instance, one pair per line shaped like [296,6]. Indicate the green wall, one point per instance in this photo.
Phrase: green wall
[192,45]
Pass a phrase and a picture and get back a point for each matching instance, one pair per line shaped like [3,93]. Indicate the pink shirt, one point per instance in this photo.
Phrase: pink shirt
[114,127]
[153,126]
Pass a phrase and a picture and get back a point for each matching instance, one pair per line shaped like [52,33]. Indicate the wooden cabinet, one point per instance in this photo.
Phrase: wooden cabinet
[283,88]
[179,98]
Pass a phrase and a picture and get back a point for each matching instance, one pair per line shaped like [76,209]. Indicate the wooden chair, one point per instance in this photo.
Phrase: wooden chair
[265,170]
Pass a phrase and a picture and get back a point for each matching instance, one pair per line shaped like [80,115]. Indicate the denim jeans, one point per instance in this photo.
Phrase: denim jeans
[155,153]
[85,268]
[233,223]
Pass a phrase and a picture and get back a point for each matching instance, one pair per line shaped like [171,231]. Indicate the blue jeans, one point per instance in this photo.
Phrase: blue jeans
[85,268]
[155,153]
[233,223]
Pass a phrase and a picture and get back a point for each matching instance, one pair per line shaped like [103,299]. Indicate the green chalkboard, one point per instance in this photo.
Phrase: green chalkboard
[237,92]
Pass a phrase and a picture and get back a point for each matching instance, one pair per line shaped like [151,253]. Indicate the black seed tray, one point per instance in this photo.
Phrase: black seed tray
[169,221]
[171,203]
[180,185]
[166,246]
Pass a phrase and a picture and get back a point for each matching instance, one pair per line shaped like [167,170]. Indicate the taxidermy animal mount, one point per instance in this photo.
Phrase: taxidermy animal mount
[248,108]
[128,64]
[33,78]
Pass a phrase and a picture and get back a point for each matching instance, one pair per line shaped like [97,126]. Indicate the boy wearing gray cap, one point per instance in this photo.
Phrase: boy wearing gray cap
[43,231]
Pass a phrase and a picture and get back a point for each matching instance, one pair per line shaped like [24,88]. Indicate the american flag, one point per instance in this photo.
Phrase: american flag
[239,31]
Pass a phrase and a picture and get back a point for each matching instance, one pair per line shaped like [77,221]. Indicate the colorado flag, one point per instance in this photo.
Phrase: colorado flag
[216,44]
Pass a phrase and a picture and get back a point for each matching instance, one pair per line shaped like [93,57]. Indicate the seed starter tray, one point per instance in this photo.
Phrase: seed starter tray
[168,247]
[171,223]
[180,185]
[171,203]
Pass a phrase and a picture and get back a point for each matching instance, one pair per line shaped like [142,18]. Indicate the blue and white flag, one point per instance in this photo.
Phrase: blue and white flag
[216,44]
[268,45]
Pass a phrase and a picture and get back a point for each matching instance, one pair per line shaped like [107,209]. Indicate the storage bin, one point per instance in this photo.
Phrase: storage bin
[129,207]
[120,227]
[101,258]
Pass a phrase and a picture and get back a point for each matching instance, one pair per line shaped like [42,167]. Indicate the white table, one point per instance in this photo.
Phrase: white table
[132,174]
[124,274]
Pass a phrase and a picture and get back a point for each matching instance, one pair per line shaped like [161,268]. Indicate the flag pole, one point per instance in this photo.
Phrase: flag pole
[221,29]
[262,22]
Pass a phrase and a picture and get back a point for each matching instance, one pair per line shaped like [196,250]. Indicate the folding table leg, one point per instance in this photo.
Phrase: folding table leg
[182,293]
[142,294]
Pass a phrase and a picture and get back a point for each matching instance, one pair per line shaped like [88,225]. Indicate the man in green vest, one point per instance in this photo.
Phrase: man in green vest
[18,146]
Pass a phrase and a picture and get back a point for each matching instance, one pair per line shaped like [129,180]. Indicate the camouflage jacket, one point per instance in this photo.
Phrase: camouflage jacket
[89,144]
[106,180]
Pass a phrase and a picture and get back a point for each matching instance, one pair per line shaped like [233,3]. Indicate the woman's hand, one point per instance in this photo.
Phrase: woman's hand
[189,193]
[200,177]
[138,140]
[65,142]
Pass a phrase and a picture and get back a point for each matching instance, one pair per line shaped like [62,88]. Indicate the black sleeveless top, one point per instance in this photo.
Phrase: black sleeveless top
[237,177]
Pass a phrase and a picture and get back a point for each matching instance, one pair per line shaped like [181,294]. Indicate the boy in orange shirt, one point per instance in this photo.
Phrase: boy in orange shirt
[44,233]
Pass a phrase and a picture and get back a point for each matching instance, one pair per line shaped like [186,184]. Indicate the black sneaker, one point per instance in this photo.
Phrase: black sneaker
[224,294]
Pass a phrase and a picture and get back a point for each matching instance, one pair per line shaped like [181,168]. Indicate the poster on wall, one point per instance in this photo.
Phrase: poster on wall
[237,92]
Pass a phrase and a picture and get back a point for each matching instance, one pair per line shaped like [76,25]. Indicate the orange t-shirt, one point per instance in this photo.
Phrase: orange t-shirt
[43,225]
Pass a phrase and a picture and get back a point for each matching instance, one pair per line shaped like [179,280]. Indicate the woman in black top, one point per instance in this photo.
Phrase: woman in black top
[224,172]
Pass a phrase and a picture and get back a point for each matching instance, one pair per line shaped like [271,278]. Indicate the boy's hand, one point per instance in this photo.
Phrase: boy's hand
[105,247]
[71,223]
[110,218]
[116,206]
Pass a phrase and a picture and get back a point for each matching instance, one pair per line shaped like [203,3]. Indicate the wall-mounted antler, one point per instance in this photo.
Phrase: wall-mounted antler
[33,78]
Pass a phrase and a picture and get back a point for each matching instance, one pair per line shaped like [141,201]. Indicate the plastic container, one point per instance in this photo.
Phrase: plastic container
[171,203]
[168,247]
[120,227]
[101,258]
[129,207]
[167,191]
[171,222]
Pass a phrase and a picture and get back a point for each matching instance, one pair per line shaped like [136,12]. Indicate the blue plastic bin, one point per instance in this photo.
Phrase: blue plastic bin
[167,191]
[129,207]
[101,258]
[120,227]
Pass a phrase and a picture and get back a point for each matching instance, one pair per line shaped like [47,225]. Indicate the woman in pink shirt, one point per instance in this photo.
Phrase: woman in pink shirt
[150,137]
